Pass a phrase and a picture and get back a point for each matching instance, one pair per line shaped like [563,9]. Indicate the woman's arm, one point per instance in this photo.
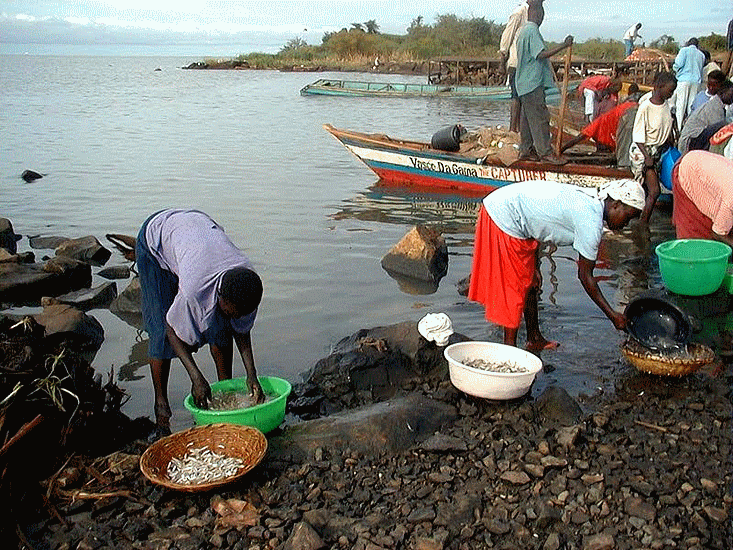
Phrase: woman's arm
[244,345]
[200,389]
[585,274]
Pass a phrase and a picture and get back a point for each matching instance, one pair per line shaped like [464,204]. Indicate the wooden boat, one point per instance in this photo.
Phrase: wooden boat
[358,88]
[413,163]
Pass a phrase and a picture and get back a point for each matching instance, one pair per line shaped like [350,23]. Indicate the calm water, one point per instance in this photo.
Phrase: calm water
[119,139]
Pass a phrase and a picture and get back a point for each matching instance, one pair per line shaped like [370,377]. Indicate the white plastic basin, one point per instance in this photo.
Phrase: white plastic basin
[487,384]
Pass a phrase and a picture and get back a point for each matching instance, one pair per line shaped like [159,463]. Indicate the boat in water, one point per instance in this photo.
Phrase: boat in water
[477,171]
[359,88]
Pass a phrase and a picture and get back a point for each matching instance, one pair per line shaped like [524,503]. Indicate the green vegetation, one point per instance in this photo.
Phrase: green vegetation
[450,35]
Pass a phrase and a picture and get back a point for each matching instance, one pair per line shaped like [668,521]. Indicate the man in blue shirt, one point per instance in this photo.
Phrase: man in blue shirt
[688,70]
[533,77]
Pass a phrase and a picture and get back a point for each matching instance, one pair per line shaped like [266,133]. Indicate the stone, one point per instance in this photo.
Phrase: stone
[85,249]
[552,542]
[303,537]
[421,254]
[46,242]
[718,515]
[65,320]
[567,436]
[8,238]
[603,541]
[90,298]
[440,443]
[115,272]
[23,283]
[515,477]
[127,306]
[639,508]
[29,176]
[391,425]
[556,405]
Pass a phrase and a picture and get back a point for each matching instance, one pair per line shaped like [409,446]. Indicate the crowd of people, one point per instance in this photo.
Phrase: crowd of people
[687,113]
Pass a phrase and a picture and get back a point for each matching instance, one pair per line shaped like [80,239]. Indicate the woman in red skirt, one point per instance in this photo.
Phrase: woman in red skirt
[513,220]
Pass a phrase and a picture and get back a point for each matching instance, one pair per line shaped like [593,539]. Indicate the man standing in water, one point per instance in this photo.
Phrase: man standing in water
[533,77]
[514,219]
[197,288]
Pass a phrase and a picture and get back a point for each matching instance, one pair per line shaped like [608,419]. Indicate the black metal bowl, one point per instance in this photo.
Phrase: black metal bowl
[657,323]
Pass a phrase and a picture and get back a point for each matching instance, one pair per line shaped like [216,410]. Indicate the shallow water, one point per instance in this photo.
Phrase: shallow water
[118,139]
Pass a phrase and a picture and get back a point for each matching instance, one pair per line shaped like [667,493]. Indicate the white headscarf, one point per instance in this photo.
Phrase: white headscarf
[629,192]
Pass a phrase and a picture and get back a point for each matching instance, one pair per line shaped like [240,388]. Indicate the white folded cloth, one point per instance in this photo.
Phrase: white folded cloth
[436,327]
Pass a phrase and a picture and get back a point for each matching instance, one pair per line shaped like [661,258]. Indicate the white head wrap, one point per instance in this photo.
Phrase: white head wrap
[629,192]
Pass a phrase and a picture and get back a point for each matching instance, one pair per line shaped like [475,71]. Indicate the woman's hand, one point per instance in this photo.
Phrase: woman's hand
[618,320]
[201,392]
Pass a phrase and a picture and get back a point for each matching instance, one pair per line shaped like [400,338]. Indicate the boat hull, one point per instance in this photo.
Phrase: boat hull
[416,164]
[356,88]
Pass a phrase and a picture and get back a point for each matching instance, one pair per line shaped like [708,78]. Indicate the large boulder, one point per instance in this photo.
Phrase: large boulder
[8,238]
[369,366]
[388,426]
[421,254]
[85,249]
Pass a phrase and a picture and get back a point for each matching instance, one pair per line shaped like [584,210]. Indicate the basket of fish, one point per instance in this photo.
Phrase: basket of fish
[204,457]
[490,370]
[681,361]
[231,402]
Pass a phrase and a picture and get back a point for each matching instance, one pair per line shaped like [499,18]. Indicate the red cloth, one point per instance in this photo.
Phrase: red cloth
[688,221]
[603,128]
[721,135]
[596,83]
[502,272]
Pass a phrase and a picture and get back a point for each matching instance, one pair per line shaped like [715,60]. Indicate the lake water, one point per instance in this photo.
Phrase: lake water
[119,139]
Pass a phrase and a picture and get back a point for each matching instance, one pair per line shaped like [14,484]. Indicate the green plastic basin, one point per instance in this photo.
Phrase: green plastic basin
[728,279]
[693,267]
[265,417]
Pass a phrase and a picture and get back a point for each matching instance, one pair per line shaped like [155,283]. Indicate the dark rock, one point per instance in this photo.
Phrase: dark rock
[67,321]
[8,238]
[599,542]
[30,175]
[127,305]
[384,427]
[303,537]
[440,443]
[421,254]
[27,283]
[115,272]
[85,249]
[463,285]
[90,298]
[556,405]
[46,242]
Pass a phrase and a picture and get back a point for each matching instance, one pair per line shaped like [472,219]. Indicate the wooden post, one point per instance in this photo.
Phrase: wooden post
[563,100]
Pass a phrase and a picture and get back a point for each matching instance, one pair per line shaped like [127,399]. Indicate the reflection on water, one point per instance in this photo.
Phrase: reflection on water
[138,359]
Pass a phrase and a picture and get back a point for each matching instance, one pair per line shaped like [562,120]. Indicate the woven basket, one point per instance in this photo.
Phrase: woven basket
[243,442]
[649,362]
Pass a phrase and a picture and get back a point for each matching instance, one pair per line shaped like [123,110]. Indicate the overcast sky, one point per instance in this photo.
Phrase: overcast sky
[277,21]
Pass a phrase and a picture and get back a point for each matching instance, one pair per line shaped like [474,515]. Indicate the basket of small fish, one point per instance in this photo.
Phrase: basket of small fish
[201,458]
[490,370]
[684,360]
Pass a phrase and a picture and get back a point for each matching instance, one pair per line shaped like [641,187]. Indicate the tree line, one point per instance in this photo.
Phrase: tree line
[450,35]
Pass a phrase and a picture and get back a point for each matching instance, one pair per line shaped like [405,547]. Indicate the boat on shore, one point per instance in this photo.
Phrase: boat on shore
[360,88]
[417,164]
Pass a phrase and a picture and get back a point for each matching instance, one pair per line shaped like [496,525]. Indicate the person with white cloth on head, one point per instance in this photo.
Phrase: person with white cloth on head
[515,219]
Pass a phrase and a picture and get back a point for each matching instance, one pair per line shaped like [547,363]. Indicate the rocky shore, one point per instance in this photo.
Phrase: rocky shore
[378,451]
[650,468]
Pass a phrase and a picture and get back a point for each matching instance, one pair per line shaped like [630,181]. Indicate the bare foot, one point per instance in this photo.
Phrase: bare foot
[539,345]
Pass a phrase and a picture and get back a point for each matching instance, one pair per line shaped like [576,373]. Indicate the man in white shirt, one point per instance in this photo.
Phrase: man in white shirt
[631,34]
[508,51]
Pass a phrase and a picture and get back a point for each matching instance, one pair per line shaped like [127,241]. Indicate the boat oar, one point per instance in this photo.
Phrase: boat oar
[563,100]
